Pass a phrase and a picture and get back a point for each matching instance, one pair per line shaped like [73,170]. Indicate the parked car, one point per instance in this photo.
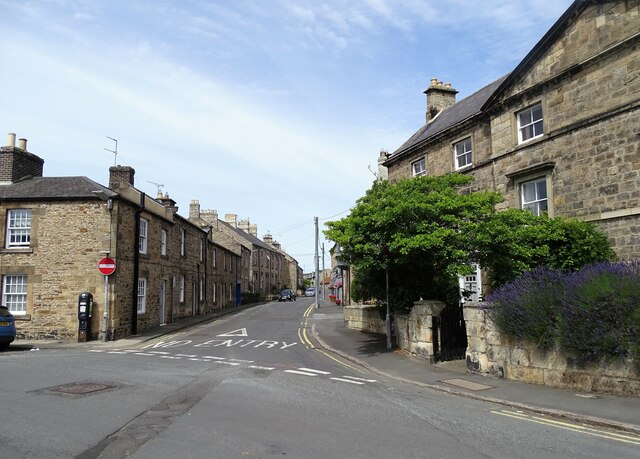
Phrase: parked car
[7,327]
[287,295]
[311,291]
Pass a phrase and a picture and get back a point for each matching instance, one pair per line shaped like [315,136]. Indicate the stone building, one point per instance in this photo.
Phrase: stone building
[265,268]
[559,134]
[58,228]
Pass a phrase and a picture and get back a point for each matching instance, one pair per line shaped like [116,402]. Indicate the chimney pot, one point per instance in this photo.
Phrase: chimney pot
[22,143]
[11,140]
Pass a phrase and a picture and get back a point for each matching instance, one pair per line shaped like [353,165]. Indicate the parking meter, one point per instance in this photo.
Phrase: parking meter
[85,311]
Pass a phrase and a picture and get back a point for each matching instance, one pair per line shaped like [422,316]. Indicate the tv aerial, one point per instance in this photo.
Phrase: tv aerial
[115,151]
[158,185]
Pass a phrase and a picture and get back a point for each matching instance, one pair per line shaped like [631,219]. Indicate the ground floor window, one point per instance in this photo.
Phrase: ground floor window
[14,293]
[471,286]
[533,196]
[142,295]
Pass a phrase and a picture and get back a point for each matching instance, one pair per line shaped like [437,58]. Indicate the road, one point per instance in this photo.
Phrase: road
[256,385]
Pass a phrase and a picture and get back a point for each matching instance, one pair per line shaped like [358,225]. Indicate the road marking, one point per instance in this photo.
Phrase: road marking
[117,352]
[242,361]
[186,355]
[199,360]
[159,352]
[233,364]
[168,344]
[238,332]
[258,367]
[304,373]
[572,427]
[144,353]
[311,370]
[359,379]
[96,350]
[269,344]
[348,381]
[170,357]
[214,358]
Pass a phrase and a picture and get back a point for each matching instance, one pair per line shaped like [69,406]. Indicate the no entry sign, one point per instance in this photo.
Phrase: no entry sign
[107,266]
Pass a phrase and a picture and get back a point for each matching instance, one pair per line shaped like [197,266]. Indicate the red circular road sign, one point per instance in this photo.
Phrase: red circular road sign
[107,266]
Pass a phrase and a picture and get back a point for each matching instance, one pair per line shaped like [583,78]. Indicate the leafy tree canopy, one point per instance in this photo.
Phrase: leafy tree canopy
[428,230]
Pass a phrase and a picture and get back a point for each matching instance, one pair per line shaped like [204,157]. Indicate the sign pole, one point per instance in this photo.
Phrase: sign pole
[105,315]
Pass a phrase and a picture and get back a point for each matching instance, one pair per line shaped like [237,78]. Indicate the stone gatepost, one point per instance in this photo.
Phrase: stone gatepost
[420,334]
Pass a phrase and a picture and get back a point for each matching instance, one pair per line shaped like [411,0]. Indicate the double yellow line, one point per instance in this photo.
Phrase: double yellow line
[302,334]
[625,438]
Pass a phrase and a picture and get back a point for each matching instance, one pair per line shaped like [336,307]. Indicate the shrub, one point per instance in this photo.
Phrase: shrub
[527,307]
[591,314]
[600,312]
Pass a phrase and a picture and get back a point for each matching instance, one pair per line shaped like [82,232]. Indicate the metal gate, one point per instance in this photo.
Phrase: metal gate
[450,334]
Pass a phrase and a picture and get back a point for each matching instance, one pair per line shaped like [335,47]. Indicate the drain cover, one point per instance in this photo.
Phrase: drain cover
[466,384]
[80,388]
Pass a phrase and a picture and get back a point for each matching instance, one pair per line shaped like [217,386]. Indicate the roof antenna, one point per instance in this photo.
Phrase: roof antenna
[115,152]
[159,185]
[370,170]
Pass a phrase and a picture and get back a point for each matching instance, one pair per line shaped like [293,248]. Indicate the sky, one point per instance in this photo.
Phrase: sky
[274,110]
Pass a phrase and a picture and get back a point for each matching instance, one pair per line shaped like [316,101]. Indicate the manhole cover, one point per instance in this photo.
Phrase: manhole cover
[466,384]
[80,388]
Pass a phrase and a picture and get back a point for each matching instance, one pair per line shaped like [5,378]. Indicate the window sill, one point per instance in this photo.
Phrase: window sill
[17,250]
[22,317]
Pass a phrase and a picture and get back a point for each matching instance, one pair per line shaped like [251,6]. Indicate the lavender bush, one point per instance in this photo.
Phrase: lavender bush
[600,312]
[591,314]
[527,307]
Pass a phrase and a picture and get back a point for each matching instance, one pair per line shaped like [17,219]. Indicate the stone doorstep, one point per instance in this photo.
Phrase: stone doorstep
[465,384]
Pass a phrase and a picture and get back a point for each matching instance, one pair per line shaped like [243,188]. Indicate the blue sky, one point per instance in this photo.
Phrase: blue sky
[273,110]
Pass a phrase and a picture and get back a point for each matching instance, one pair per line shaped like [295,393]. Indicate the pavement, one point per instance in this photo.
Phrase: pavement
[369,350]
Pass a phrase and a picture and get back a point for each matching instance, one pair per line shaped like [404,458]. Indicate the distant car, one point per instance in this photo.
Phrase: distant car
[311,291]
[287,295]
[7,327]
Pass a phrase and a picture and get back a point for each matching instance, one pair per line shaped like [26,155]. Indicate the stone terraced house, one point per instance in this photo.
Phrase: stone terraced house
[560,134]
[56,229]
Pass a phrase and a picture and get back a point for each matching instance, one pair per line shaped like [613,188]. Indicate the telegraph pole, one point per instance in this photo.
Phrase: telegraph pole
[323,278]
[317,264]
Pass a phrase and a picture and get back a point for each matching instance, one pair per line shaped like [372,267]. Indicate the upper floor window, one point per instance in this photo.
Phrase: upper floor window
[18,228]
[183,237]
[215,256]
[142,295]
[142,237]
[163,242]
[463,153]
[530,123]
[201,249]
[533,196]
[419,168]
[14,293]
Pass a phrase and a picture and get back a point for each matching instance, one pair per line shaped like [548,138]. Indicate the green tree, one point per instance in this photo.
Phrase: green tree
[428,230]
[419,229]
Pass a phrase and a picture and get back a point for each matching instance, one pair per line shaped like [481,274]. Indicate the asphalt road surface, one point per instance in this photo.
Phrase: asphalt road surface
[256,385]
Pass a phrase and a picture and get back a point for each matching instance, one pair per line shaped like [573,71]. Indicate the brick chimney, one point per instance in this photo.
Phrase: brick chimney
[121,176]
[166,201]
[210,216]
[268,239]
[16,163]
[439,97]
[194,209]
[253,230]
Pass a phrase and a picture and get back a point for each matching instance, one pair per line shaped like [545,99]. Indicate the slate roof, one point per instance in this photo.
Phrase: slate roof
[57,188]
[248,236]
[449,117]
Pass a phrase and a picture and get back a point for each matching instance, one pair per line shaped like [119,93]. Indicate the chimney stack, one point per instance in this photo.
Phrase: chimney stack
[194,209]
[253,229]
[268,239]
[231,219]
[16,163]
[439,97]
[121,175]
[11,141]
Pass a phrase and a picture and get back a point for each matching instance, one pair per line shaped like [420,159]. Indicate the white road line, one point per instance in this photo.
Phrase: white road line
[227,363]
[117,352]
[311,370]
[214,358]
[348,381]
[187,355]
[200,360]
[144,353]
[170,357]
[97,350]
[258,367]
[159,352]
[240,360]
[359,379]
[304,373]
